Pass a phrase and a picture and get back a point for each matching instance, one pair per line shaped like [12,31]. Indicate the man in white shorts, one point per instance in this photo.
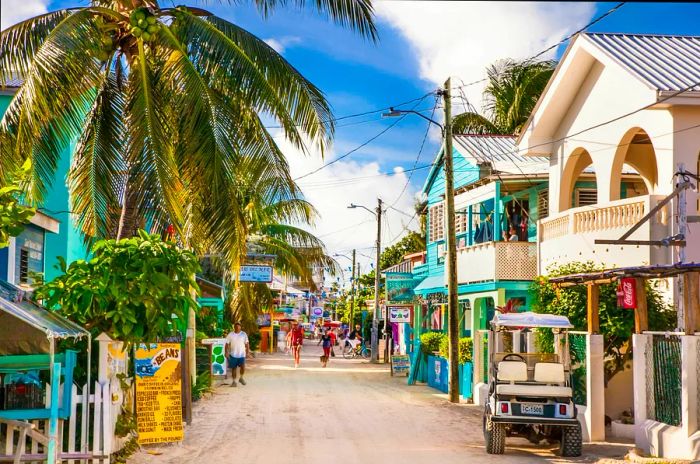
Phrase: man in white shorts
[237,348]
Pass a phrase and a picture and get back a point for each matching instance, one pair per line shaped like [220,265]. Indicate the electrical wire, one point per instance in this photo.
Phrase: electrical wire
[364,144]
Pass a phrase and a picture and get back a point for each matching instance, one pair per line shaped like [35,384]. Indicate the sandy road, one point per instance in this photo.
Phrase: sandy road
[350,412]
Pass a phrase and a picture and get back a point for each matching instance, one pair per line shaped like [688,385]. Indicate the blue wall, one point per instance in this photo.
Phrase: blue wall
[68,243]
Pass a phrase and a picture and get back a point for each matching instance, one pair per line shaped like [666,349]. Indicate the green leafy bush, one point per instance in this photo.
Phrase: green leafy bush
[131,289]
[430,342]
[13,214]
[465,349]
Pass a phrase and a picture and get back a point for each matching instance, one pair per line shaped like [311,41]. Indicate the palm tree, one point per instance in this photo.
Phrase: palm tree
[511,94]
[165,105]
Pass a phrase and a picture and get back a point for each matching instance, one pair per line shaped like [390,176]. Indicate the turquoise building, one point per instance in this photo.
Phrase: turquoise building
[52,232]
[499,196]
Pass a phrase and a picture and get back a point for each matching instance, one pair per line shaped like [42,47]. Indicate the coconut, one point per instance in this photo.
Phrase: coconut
[151,20]
[136,32]
[146,36]
[153,28]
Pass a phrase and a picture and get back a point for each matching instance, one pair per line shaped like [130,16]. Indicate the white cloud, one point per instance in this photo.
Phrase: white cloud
[14,11]
[461,39]
[280,44]
[332,189]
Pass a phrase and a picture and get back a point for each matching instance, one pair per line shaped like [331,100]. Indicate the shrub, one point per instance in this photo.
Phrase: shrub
[465,349]
[430,342]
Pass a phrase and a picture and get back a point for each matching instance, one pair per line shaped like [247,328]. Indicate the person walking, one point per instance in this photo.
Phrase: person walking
[334,341]
[327,342]
[297,340]
[237,348]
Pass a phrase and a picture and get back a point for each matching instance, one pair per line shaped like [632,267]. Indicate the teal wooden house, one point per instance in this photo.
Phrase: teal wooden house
[499,196]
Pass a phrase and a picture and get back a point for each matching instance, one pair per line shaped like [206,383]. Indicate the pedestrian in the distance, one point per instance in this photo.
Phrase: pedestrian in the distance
[334,340]
[237,348]
[327,341]
[297,339]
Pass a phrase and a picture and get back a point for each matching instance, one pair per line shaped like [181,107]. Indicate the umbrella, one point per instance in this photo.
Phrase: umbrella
[331,324]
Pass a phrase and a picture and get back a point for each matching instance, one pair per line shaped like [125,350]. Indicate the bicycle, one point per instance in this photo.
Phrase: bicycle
[361,351]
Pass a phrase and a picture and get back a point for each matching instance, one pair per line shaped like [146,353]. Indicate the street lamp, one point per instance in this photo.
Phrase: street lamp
[375,327]
[453,317]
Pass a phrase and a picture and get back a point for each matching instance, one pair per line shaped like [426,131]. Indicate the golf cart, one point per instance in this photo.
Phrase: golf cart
[530,394]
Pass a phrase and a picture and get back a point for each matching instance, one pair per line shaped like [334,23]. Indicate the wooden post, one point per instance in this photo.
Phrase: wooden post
[593,308]
[691,303]
[641,318]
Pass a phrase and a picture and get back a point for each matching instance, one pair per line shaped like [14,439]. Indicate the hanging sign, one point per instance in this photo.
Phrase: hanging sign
[399,286]
[317,311]
[627,293]
[400,313]
[158,393]
[251,273]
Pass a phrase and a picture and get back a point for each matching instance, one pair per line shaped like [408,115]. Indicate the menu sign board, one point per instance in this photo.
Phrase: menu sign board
[158,393]
[400,364]
[255,274]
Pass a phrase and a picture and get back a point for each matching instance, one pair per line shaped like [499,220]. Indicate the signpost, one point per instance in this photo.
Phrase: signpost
[251,273]
[158,393]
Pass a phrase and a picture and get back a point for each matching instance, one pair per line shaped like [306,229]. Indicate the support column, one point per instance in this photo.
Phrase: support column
[691,303]
[595,387]
[690,422]
[641,377]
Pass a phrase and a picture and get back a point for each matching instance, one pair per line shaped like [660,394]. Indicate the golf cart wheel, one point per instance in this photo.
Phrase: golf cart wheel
[571,441]
[495,436]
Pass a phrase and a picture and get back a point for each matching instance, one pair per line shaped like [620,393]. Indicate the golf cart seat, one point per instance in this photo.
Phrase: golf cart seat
[546,374]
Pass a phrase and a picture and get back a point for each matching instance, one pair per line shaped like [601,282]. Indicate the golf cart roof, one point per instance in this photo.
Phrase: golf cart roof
[530,319]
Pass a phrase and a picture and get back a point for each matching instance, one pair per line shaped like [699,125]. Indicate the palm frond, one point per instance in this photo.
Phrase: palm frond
[473,123]
[98,167]
[357,15]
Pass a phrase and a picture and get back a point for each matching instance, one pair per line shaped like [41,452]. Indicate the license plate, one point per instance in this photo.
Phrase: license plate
[532,409]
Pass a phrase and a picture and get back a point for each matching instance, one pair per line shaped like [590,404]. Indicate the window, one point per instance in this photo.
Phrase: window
[543,203]
[586,197]
[437,222]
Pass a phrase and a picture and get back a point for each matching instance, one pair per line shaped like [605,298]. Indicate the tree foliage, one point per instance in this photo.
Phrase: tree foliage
[616,324]
[131,289]
[511,94]
[14,215]
[412,242]
[166,106]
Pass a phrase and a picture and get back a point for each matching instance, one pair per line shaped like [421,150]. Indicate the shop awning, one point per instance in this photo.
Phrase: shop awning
[50,323]
[435,283]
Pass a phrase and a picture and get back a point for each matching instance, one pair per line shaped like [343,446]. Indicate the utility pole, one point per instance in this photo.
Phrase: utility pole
[352,293]
[375,322]
[451,261]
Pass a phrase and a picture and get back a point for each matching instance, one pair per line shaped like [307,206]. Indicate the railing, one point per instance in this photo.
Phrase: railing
[553,228]
[609,217]
[491,261]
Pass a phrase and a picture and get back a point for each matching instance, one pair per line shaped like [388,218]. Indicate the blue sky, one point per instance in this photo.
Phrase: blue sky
[420,44]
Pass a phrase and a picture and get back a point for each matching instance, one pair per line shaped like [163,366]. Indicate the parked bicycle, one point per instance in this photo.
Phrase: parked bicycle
[362,350]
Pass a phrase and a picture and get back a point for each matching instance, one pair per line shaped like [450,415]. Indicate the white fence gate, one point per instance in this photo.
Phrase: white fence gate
[81,438]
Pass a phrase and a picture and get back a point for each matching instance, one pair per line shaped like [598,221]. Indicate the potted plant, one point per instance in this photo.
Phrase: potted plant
[624,426]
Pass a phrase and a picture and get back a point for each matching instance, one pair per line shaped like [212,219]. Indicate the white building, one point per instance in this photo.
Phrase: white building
[623,111]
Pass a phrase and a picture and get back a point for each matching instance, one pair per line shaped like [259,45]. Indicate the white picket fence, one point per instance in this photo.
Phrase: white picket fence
[81,434]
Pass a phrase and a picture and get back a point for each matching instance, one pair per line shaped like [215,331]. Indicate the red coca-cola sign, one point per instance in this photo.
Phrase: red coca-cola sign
[627,293]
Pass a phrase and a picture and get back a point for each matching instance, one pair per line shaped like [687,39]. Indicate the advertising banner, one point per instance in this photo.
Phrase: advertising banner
[400,313]
[158,393]
[627,293]
[255,274]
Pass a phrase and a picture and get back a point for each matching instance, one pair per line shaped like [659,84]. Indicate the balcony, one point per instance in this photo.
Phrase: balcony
[492,261]
[570,236]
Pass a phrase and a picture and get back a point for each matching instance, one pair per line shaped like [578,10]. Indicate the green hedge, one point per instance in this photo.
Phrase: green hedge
[430,341]
[465,349]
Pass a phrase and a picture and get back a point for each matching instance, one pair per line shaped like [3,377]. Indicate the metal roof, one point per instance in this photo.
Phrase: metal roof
[664,62]
[53,325]
[11,81]
[501,152]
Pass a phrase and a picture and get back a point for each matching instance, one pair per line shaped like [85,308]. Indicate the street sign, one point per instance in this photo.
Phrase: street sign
[251,273]
[317,311]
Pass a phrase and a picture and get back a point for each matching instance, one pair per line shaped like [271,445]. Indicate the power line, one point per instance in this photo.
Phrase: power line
[364,144]
[420,151]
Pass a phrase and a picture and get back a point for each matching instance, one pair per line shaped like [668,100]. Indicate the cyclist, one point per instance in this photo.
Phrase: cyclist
[355,337]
